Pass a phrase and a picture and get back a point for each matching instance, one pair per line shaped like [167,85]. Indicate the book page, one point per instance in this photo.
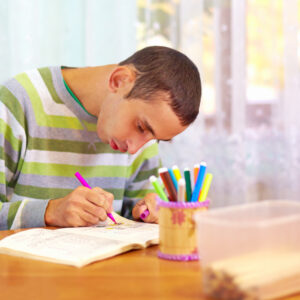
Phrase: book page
[57,246]
[125,230]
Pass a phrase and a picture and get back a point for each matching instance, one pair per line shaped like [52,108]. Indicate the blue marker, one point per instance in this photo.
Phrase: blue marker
[173,178]
[199,182]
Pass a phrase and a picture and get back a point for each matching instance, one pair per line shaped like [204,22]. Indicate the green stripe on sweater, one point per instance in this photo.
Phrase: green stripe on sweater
[2,178]
[48,169]
[145,175]
[13,209]
[12,103]
[9,162]
[41,192]
[138,194]
[2,196]
[54,193]
[47,78]
[9,136]
[69,146]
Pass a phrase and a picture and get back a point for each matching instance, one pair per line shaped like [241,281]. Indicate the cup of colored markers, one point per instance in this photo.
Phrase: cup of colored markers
[178,202]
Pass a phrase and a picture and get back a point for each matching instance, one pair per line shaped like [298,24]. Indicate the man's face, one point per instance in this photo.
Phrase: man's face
[126,125]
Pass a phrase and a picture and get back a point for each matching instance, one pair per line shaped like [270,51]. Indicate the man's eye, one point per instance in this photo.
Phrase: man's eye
[140,128]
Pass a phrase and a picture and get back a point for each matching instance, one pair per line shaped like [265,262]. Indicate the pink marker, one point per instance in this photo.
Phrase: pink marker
[84,183]
[145,214]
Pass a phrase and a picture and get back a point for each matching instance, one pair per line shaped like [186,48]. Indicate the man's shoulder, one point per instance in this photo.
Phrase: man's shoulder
[26,82]
[44,71]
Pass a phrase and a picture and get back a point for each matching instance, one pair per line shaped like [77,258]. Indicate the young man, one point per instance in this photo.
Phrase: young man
[101,121]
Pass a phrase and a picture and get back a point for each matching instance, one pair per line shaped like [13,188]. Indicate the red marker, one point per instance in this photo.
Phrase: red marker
[168,183]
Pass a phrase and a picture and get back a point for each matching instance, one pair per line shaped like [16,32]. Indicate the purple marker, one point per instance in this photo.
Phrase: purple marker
[84,183]
[145,214]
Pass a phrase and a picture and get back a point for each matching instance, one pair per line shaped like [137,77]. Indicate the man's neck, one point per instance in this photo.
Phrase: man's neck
[90,85]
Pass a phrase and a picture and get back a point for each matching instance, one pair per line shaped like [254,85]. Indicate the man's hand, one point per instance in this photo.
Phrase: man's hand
[82,207]
[149,202]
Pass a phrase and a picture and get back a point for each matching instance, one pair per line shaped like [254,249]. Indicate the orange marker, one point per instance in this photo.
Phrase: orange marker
[196,171]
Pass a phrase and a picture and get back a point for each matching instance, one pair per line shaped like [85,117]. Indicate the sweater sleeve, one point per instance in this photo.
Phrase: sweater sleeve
[143,165]
[15,212]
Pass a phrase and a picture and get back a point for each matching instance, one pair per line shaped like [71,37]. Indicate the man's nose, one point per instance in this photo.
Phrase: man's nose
[135,144]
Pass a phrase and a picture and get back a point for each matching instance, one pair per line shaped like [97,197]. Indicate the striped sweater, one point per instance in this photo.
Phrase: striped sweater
[45,137]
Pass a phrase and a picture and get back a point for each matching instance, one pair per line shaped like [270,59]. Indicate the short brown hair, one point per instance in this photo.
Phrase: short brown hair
[162,69]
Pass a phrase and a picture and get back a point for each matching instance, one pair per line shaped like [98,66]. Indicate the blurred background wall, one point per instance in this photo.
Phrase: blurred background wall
[248,54]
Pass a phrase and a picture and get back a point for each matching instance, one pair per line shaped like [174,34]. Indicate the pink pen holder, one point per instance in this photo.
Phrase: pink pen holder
[177,229]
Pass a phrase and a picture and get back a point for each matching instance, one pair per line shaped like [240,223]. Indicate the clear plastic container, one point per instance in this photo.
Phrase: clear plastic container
[250,251]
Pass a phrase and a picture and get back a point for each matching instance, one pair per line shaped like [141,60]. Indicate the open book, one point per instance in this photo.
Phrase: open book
[82,245]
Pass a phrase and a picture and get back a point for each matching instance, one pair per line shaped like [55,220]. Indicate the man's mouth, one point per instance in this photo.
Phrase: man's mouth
[116,146]
[113,145]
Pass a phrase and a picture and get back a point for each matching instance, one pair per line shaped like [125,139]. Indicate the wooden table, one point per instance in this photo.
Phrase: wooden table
[134,275]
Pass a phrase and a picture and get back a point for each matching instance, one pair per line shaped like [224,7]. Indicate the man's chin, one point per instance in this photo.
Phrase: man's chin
[103,139]
[122,150]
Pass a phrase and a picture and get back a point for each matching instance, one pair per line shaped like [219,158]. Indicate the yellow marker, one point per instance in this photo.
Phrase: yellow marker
[205,187]
[176,172]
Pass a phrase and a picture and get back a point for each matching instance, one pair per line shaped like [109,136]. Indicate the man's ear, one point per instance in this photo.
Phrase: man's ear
[121,79]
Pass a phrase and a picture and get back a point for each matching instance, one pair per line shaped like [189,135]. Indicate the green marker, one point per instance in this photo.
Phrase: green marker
[188,186]
[158,189]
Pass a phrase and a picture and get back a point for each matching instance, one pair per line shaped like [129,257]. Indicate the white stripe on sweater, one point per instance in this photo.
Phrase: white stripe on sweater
[50,107]
[79,159]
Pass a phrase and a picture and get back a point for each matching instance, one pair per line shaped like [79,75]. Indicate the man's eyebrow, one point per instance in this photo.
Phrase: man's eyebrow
[148,126]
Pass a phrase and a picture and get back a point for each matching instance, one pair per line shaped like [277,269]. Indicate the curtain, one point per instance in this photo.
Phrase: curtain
[35,33]
[248,130]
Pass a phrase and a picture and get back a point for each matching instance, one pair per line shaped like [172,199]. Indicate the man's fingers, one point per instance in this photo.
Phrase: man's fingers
[82,207]
[136,211]
[139,209]
[149,202]
[93,209]
[98,200]
[107,197]
[152,218]
[90,219]
[91,203]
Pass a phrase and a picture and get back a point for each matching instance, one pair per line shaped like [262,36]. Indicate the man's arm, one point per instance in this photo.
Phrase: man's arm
[15,211]
[22,214]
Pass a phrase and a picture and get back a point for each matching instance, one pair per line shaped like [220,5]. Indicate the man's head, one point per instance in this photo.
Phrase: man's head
[161,70]
[154,94]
